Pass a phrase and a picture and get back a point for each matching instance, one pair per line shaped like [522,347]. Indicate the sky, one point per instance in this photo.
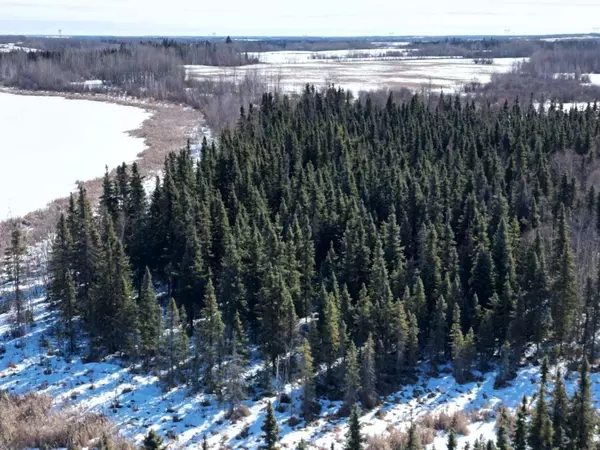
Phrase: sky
[298,18]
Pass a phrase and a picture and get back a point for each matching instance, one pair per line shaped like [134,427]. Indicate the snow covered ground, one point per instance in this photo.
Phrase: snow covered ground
[358,74]
[299,56]
[12,47]
[48,143]
[138,402]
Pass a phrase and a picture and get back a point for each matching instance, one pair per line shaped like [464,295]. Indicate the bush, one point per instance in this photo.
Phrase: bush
[238,413]
[28,421]
[457,422]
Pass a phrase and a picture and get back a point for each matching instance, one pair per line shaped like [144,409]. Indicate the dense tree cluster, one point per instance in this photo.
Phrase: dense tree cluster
[346,235]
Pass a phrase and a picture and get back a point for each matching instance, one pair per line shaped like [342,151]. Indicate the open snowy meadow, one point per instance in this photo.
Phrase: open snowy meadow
[48,143]
[291,71]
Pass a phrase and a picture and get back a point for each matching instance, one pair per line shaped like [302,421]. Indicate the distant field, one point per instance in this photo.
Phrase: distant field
[291,71]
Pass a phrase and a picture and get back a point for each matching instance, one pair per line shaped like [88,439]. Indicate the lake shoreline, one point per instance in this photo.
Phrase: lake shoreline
[167,129]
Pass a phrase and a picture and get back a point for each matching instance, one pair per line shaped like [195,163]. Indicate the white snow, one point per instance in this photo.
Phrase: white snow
[49,143]
[14,47]
[438,73]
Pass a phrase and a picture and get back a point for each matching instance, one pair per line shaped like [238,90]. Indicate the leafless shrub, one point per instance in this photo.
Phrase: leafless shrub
[397,439]
[458,422]
[28,422]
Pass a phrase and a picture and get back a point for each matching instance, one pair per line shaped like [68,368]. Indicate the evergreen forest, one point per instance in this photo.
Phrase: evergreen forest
[346,244]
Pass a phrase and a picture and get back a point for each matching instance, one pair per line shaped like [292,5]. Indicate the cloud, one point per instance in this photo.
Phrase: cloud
[313,17]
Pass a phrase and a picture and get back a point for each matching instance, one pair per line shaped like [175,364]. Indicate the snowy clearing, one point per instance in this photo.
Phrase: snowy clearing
[137,402]
[299,56]
[12,47]
[71,140]
[356,75]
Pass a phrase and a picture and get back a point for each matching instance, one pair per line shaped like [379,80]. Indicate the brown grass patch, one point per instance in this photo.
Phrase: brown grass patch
[458,422]
[29,422]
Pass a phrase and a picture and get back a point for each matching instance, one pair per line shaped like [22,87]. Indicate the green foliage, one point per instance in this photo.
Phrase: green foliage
[354,440]
[270,429]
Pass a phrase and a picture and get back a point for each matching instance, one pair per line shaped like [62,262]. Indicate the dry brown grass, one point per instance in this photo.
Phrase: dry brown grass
[458,422]
[29,422]
[396,439]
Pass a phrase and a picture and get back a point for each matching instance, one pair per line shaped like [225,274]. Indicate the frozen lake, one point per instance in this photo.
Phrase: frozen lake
[48,143]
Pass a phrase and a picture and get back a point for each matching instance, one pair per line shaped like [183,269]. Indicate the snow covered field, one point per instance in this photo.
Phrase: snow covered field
[358,74]
[137,402]
[48,143]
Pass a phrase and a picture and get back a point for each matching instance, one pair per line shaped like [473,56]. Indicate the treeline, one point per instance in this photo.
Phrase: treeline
[143,69]
[349,236]
[479,48]
[554,71]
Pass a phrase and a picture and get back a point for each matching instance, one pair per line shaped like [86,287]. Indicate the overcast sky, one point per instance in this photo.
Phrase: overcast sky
[296,18]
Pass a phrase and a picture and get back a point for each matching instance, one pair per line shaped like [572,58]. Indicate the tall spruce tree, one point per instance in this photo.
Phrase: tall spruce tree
[210,339]
[354,439]
[271,429]
[150,319]
[582,416]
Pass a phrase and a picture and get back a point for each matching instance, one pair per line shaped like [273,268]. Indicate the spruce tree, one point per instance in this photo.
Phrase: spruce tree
[354,439]
[564,288]
[540,431]
[502,440]
[211,338]
[308,383]
[14,263]
[451,443]
[150,319]
[520,439]
[582,417]
[153,441]
[560,414]
[61,289]
[175,343]
[270,428]
[351,378]
[414,440]
[368,394]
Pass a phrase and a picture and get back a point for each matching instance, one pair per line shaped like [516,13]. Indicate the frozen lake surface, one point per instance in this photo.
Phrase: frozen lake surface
[48,143]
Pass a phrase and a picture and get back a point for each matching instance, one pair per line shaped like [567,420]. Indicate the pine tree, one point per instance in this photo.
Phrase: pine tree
[114,324]
[210,342]
[560,414]
[438,332]
[540,431]
[414,440]
[368,394]
[582,417]
[565,284]
[86,254]
[134,238]
[14,263]
[520,439]
[150,319]
[270,428]
[351,377]
[354,440]
[62,286]
[235,388]
[308,383]
[451,443]
[153,441]
[502,441]
[175,343]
